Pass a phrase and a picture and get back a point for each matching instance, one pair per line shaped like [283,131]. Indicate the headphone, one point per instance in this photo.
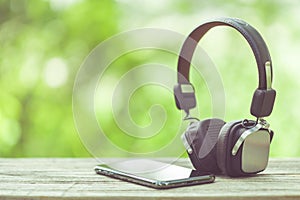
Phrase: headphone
[236,148]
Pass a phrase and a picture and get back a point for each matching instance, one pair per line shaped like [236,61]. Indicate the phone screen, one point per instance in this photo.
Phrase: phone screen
[154,173]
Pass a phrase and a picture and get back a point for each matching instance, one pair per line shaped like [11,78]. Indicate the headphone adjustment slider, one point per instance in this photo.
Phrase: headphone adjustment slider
[268,74]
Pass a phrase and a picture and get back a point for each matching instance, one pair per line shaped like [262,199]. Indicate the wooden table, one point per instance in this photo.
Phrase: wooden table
[73,178]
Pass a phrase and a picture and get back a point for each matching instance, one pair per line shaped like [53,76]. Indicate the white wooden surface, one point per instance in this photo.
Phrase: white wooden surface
[61,178]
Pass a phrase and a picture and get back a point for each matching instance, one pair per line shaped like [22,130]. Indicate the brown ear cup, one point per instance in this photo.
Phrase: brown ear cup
[202,136]
[222,146]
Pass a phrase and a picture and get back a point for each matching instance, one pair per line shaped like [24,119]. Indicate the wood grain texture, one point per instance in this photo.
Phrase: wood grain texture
[60,178]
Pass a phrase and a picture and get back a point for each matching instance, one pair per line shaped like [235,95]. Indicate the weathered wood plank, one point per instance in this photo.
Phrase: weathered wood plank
[75,179]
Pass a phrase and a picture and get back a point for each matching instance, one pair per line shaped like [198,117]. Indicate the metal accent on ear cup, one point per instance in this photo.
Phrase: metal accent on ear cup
[261,124]
[186,144]
[255,152]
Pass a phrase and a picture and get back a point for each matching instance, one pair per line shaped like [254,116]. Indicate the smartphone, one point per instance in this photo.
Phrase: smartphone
[154,174]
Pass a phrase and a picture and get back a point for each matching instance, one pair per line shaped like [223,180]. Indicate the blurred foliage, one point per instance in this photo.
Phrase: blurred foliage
[44,42]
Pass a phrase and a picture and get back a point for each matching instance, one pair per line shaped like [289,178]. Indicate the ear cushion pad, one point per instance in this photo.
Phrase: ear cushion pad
[203,139]
[222,145]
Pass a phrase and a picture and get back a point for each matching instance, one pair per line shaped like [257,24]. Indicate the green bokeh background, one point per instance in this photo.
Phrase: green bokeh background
[44,42]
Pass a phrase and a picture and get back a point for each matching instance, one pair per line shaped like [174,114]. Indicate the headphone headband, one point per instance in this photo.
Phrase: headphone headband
[254,39]
[263,95]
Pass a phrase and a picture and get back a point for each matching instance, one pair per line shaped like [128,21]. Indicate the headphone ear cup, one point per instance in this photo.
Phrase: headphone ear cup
[222,147]
[202,137]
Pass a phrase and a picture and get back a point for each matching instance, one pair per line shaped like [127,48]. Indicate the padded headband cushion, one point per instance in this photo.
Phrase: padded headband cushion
[254,39]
